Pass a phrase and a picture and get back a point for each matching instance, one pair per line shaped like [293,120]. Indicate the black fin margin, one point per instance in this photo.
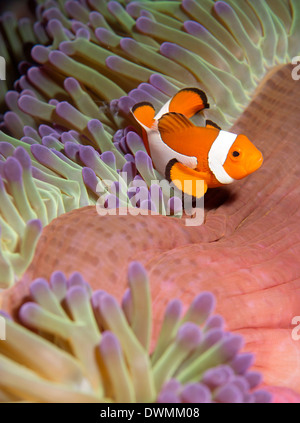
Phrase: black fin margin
[142,103]
[201,94]
[211,123]
[169,166]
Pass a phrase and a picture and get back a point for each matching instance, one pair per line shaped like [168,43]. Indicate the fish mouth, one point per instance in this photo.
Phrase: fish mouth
[254,164]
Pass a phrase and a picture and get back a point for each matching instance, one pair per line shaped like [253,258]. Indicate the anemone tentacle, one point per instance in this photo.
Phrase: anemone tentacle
[94,60]
[88,348]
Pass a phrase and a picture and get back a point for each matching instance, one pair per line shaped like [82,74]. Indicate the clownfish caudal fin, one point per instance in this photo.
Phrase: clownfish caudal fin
[210,124]
[171,123]
[188,102]
[144,114]
[188,181]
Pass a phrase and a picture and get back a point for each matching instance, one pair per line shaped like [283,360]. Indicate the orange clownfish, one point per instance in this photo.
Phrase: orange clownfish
[183,151]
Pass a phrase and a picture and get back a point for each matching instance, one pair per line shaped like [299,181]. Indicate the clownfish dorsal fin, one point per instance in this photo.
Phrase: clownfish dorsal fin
[210,124]
[144,113]
[188,102]
[171,123]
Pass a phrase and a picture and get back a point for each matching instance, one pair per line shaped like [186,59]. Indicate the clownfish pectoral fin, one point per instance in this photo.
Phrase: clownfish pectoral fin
[211,124]
[188,102]
[188,181]
[144,114]
[172,123]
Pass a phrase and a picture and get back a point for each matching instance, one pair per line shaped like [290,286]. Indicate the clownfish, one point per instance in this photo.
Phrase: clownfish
[182,151]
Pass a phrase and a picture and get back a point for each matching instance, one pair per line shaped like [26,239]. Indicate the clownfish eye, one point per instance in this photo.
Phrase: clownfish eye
[235,154]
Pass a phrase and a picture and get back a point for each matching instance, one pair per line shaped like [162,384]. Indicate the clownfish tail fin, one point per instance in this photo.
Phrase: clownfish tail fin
[211,124]
[188,102]
[144,114]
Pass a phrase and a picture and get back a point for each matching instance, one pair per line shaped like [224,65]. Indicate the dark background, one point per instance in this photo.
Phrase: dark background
[19,7]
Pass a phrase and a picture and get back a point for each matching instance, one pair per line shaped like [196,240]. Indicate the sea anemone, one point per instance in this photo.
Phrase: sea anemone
[70,110]
[89,349]
[246,253]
